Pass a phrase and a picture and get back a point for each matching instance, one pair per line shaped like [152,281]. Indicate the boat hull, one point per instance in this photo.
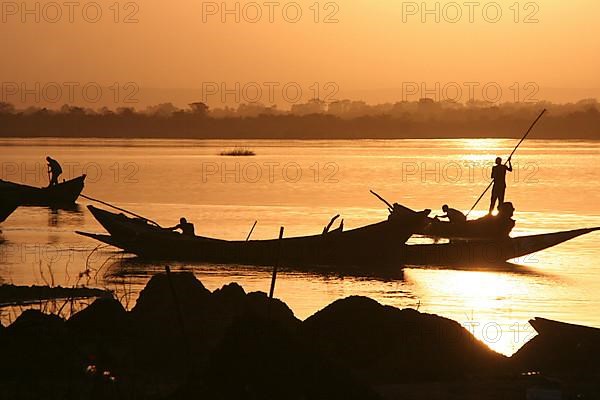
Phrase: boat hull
[564,330]
[468,252]
[378,245]
[373,246]
[490,227]
[65,193]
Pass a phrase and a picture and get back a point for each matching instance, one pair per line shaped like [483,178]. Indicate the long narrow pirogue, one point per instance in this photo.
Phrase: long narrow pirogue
[63,194]
[371,247]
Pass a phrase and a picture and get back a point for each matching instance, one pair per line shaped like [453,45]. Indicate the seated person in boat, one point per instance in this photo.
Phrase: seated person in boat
[54,169]
[187,228]
[504,218]
[506,211]
[453,215]
[500,224]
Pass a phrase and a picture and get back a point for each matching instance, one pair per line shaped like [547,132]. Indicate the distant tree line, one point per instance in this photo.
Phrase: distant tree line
[313,120]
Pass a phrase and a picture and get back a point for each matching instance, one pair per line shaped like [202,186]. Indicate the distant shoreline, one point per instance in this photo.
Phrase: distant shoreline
[234,140]
[429,122]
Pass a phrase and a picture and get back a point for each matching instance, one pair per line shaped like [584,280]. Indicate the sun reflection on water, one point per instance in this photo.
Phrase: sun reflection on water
[482,301]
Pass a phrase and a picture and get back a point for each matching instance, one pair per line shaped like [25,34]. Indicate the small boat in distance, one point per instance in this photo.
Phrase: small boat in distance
[63,194]
[376,245]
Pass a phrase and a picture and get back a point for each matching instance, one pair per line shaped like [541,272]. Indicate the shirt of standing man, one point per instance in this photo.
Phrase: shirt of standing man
[499,173]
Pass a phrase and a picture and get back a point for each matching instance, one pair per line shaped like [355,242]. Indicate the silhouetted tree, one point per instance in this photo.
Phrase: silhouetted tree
[162,110]
[199,108]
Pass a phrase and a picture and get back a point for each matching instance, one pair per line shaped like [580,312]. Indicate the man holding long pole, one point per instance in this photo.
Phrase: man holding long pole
[499,177]
[504,172]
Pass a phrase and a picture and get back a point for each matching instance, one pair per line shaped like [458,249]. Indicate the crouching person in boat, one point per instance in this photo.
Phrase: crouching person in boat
[505,218]
[54,170]
[187,228]
[455,216]
[496,226]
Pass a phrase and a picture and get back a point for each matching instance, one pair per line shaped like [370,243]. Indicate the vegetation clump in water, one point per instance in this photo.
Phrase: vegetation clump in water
[238,152]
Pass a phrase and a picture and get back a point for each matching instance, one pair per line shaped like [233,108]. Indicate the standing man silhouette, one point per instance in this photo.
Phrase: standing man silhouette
[54,169]
[499,176]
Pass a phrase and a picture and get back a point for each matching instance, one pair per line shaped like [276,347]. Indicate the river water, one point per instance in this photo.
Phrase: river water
[300,185]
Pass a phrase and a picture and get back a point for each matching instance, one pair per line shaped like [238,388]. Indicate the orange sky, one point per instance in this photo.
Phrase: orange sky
[369,53]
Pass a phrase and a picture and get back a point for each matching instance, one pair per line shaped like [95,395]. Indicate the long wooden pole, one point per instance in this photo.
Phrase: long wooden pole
[509,157]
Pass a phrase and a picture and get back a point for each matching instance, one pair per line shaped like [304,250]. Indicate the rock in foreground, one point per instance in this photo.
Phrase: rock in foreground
[182,341]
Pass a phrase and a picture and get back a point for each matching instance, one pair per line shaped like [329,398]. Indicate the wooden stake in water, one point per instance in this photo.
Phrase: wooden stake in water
[251,230]
[275,267]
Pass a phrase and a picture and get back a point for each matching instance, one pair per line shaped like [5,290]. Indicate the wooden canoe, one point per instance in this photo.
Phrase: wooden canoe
[65,193]
[373,245]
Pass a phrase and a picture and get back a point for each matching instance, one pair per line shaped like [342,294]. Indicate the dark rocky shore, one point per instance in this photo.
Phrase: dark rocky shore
[182,341]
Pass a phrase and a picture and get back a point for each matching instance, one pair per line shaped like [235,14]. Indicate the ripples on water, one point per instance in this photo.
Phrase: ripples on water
[554,189]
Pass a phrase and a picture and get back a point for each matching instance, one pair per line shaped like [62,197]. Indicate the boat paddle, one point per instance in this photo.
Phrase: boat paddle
[509,158]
